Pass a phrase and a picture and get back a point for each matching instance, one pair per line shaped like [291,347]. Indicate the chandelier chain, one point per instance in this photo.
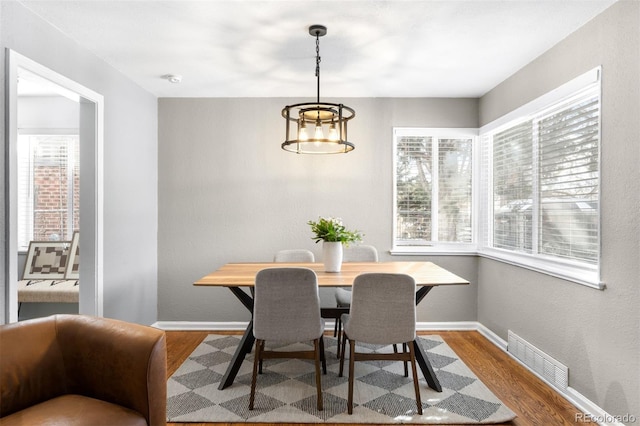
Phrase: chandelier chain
[317,55]
[318,66]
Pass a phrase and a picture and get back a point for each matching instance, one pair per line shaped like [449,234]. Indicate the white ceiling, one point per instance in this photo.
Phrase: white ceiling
[373,48]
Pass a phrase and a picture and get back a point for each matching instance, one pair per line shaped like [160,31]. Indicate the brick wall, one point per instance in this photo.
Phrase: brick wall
[51,219]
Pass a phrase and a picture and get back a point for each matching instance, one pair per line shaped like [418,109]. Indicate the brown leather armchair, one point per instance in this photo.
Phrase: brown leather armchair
[82,370]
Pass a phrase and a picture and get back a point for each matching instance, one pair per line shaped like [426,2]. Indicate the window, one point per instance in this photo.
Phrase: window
[529,194]
[433,187]
[48,188]
[543,187]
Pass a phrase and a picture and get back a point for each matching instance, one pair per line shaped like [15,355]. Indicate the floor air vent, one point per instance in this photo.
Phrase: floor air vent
[539,362]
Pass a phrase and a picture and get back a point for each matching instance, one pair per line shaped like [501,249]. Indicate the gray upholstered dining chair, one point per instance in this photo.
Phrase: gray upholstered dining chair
[357,253]
[294,256]
[383,312]
[291,319]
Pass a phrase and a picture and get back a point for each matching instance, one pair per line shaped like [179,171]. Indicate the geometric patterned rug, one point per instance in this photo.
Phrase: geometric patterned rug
[285,392]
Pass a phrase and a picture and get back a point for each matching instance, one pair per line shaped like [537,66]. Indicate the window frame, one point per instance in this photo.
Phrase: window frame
[437,247]
[587,84]
[482,189]
[75,160]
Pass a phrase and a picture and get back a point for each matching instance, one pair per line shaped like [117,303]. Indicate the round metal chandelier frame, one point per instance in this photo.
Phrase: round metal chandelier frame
[320,118]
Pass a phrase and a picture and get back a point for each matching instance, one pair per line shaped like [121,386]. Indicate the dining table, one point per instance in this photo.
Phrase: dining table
[237,276]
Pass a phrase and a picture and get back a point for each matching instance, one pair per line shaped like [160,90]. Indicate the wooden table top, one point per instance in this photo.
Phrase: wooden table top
[244,274]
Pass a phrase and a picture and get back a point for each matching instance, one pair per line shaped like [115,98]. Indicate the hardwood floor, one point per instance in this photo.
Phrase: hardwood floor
[532,400]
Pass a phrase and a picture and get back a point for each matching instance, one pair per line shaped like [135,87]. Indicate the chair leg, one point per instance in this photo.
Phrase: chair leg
[258,358]
[323,358]
[338,332]
[352,350]
[406,366]
[342,353]
[256,361]
[416,386]
[316,346]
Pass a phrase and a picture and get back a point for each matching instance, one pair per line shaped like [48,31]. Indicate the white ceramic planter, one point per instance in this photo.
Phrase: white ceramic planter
[332,256]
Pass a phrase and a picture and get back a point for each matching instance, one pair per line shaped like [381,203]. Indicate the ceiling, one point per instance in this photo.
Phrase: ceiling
[373,48]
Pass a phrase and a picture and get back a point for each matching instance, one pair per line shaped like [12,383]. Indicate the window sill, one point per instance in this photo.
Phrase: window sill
[434,251]
[577,273]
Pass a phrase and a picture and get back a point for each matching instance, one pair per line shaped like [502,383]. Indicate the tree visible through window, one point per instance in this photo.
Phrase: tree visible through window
[433,187]
[48,188]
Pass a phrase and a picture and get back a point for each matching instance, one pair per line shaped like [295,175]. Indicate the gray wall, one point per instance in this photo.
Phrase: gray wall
[130,161]
[228,193]
[596,333]
[47,112]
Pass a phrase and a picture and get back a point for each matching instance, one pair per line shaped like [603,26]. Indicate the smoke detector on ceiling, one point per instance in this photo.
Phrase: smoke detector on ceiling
[173,78]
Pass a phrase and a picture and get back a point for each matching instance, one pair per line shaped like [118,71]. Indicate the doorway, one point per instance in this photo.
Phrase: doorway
[81,111]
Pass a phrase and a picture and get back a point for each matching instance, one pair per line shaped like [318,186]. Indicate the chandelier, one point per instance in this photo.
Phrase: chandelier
[320,127]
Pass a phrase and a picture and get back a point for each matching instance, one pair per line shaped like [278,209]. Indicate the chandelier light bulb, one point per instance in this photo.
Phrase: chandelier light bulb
[302,131]
[319,134]
[302,134]
[333,133]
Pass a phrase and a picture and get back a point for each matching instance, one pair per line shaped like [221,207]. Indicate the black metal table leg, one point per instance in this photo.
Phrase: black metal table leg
[246,343]
[244,347]
[426,368]
[421,357]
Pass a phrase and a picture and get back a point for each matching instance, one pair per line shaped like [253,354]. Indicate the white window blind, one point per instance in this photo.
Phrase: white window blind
[513,187]
[454,190]
[48,188]
[568,171]
[433,187]
[545,182]
[414,163]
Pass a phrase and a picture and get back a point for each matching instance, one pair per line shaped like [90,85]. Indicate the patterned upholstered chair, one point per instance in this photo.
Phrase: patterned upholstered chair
[291,319]
[383,312]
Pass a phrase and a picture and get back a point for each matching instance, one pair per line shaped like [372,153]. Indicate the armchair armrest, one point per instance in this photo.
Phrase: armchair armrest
[115,361]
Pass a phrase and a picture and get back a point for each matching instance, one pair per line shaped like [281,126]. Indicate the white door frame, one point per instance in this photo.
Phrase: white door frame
[91,192]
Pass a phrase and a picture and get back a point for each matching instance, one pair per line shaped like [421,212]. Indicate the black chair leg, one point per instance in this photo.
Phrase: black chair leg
[406,367]
[352,348]
[323,359]
[342,351]
[317,346]
[339,334]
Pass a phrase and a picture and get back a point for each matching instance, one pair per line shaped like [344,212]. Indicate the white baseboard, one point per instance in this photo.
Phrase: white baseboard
[241,326]
[200,326]
[591,410]
[447,326]
[492,337]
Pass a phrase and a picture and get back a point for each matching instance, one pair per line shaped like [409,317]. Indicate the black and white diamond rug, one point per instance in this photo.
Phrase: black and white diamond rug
[285,392]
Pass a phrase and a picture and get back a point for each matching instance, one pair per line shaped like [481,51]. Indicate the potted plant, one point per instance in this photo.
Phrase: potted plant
[333,235]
